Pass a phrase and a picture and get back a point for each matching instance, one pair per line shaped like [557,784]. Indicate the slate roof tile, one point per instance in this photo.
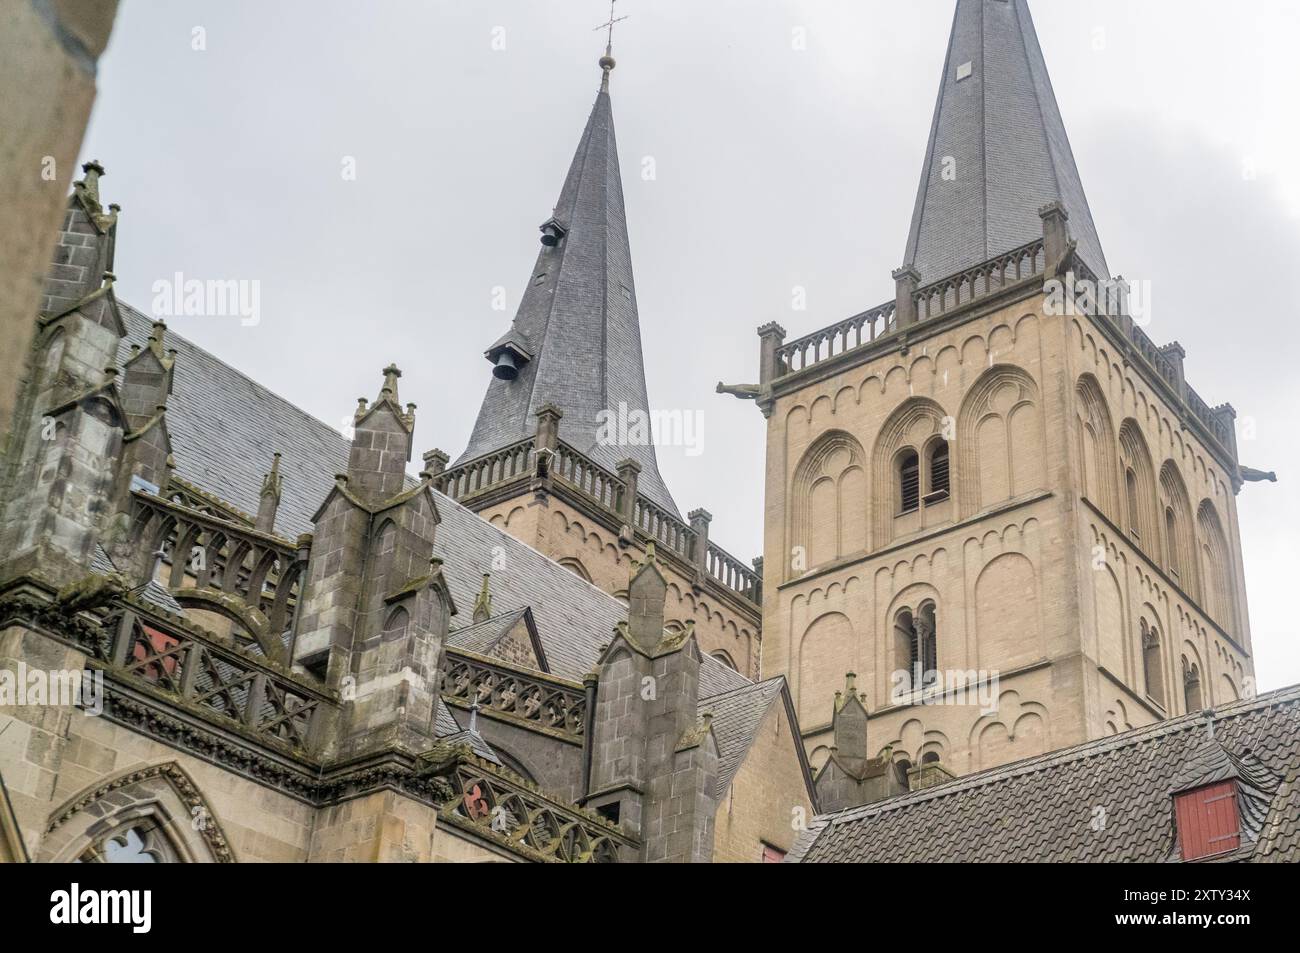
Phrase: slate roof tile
[1002,130]
[225,428]
[1104,800]
[579,316]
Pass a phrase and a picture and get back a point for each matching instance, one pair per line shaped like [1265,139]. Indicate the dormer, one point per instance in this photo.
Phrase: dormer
[1220,802]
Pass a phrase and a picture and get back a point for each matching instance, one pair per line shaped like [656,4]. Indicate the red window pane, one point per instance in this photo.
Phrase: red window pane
[159,642]
[772,855]
[1208,821]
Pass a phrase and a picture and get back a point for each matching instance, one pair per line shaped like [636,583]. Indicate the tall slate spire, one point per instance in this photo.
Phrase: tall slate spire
[576,339]
[998,122]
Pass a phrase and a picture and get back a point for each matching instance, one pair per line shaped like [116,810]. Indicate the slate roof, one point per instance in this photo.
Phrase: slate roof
[153,593]
[482,637]
[1001,126]
[1106,800]
[737,715]
[225,428]
[579,318]
[716,678]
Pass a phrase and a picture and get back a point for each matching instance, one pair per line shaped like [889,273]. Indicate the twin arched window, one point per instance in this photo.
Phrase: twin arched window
[911,497]
[915,642]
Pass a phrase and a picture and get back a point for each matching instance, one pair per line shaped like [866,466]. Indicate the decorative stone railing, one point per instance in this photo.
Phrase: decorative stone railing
[261,570]
[732,573]
[987,278]
[666,530]
[959,291]
[539,701]
[571,468]
[521,817]
[931,301]
[490,470]
[187,494]
[846,336]
[213,680]
[587,477]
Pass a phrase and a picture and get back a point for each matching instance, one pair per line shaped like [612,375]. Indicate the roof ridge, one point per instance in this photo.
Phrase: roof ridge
[764,683]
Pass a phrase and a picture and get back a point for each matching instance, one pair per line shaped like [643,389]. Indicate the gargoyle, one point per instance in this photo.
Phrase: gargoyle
[1059,267]
[1251,475]
[91,592]
[742,391]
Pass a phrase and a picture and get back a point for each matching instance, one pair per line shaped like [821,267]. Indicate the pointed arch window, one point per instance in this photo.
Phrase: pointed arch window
[397,623]
[138,842]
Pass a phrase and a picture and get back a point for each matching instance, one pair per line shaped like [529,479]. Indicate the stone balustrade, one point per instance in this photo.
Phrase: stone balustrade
[878,328]
[213,680]
[551,703]
[500,808]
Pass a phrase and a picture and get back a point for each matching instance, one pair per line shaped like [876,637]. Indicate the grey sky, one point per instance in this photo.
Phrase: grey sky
[774,167]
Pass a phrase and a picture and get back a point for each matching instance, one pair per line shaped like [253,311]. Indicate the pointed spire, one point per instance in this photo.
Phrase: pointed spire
[576,338]
[389,390]
[269,499]
[483,604]
[382,436]
[645,596]
[607,62]
[93,170]
[997,151]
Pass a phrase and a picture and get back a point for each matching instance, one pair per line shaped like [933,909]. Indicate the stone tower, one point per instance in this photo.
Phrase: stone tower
[561,455]
[994,497]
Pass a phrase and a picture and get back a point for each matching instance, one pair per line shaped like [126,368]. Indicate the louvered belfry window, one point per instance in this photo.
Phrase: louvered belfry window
[1208,820]
[909,479]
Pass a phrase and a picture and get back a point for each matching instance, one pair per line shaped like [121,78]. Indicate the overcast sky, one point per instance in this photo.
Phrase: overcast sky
[775,166]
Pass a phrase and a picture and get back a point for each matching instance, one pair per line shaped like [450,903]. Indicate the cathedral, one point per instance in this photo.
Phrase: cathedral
[999,614]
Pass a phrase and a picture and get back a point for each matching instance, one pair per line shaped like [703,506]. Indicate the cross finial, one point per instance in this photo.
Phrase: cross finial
[607,61]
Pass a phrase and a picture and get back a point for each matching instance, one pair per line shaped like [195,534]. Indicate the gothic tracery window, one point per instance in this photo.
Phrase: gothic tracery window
[137,842]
